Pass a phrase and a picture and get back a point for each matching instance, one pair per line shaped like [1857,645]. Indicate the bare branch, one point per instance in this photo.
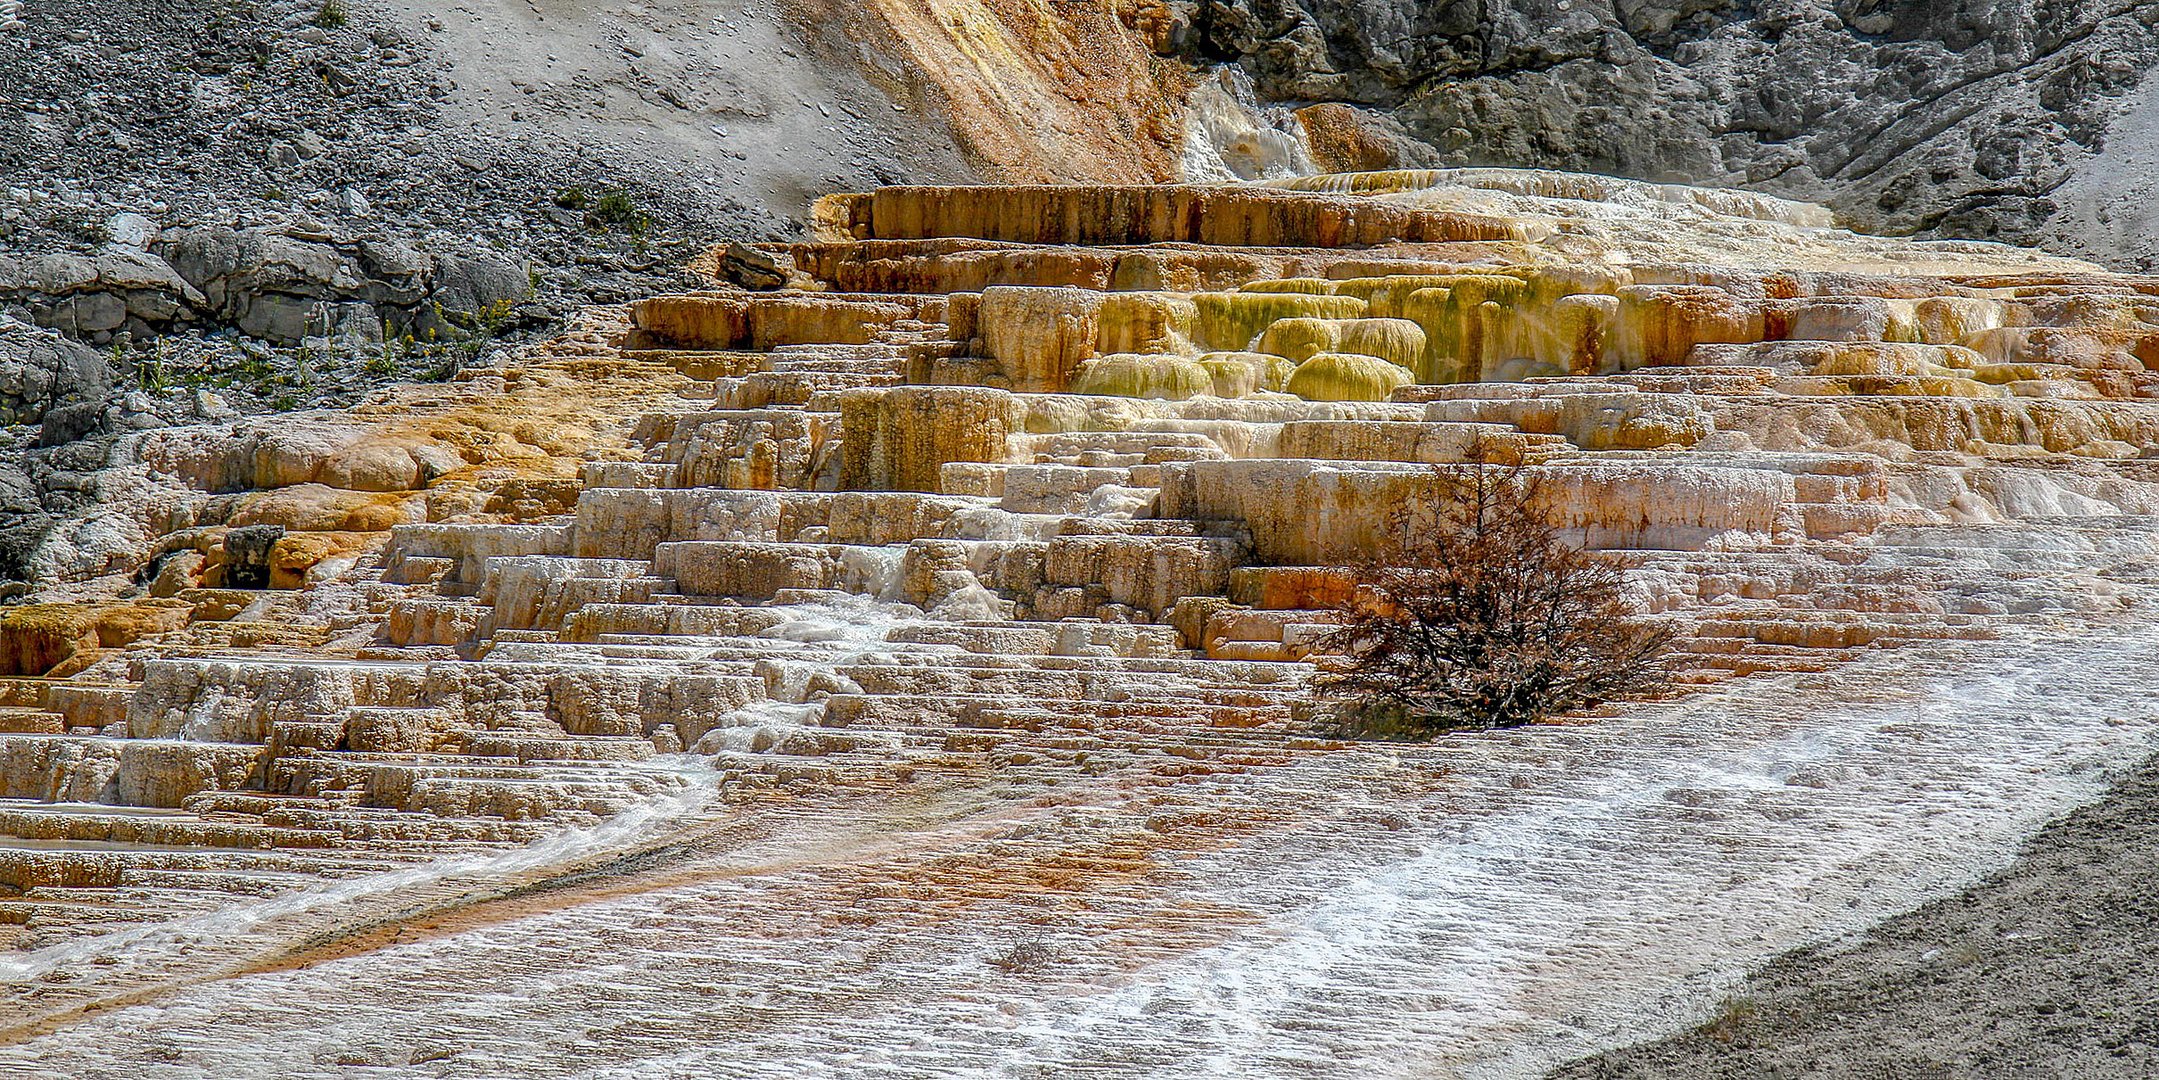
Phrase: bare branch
[1479,615]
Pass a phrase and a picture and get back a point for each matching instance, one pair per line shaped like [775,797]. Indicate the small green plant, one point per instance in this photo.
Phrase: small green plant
[284,403]
[486,325]
[253,369]
[1733,1015]
[150,372]
[573,198]
[492,318]
[615,208]
[332,15]
[618,209]
[385,362]
[303,366]
[274,194]
[196,375]
[448,363]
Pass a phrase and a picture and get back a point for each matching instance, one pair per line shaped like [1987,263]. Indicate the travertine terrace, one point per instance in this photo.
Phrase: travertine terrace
[959,596]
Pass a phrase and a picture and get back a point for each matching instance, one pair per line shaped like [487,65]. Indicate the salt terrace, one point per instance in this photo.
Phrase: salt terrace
[925,643]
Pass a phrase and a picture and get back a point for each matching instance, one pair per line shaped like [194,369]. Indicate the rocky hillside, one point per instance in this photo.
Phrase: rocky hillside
[350,175]
[212,208]
[246,206]
[594,145]
[2023,121]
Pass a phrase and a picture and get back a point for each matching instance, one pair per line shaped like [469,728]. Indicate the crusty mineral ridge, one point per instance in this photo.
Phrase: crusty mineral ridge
[1035,495]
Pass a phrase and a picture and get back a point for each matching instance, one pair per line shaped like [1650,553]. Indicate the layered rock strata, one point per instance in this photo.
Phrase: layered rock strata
[1040,495]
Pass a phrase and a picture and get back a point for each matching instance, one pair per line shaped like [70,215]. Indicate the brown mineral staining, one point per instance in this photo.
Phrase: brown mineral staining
[1035,92]
[35,638]
[1008,529]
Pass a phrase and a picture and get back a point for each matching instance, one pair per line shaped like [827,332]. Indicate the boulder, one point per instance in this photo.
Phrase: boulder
[130,230]
[248,563]
[42,369]
[1344,138]
[467,285]
[750,268]
[226,265]
[280,318]
[396,274]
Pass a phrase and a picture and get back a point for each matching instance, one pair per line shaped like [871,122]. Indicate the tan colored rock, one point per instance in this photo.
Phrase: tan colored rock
[166,773]
[1591,420]
[1234,322]
[1347,377]
[58,769]
[179,572]
[294,555]
[1166,378]
[1039,337]
[1344,138]
[1196,214]
[1317,513]
[749,448]
[1146,322]
[35,638]
[709,321]
[900,439]
[1241,374]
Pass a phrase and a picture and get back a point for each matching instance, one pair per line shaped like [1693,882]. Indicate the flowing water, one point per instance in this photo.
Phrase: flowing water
[1487,906]
[1230,136]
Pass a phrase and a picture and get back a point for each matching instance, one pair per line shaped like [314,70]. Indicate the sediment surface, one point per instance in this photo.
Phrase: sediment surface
[2043,970]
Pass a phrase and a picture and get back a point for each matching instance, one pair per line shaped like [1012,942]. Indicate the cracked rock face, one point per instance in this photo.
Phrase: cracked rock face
[41,370]
[1952,119]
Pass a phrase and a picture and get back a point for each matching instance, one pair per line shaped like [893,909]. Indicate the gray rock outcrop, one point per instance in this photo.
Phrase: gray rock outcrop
[41,370]
[1955,119]
[284,289]
[268,284]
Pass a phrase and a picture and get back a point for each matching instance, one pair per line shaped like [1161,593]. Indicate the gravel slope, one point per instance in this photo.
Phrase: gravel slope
[450,126]
[2049,969]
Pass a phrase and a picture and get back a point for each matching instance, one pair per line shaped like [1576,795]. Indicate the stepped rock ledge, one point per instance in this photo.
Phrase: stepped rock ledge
[905,670]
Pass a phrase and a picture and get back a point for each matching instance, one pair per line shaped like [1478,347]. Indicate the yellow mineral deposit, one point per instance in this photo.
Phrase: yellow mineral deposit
[1171,378]
[1030,506]
[1333,376]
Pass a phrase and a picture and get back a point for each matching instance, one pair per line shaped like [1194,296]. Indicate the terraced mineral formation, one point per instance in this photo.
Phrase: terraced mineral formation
[907,670]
